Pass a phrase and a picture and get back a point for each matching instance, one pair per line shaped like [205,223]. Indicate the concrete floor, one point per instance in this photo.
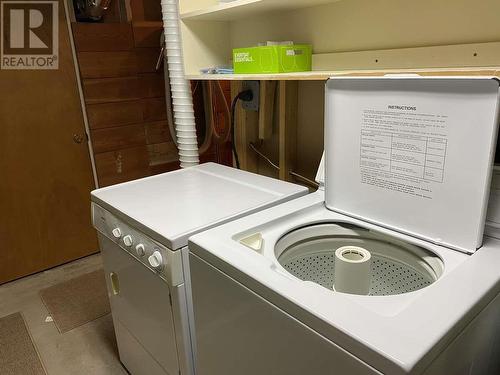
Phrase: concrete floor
[88,349]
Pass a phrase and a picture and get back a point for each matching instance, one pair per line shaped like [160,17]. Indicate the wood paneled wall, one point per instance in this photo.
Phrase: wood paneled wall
[125,99]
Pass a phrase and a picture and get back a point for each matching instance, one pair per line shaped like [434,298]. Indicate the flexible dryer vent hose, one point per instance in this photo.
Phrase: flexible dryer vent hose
[185,127]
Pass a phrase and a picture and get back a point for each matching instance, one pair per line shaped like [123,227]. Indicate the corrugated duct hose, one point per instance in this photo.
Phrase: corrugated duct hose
[182,99]
[217,130]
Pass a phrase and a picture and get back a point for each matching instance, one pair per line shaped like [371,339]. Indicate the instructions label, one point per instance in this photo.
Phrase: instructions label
[403,150]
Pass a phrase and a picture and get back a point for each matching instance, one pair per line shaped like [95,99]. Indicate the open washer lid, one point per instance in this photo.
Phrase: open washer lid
[412,154]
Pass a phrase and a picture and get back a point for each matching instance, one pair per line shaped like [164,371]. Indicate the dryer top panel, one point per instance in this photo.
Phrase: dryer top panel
[413,154]
[173,206]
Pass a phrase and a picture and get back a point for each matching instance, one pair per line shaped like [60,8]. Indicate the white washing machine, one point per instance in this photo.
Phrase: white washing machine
[143,229]
[407,173]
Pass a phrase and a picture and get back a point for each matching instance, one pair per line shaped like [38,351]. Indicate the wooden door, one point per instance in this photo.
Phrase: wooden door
[46,177]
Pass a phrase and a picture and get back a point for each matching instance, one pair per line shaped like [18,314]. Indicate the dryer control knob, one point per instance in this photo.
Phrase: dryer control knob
[128,240]
[140,250]
[156,260]
[117,233]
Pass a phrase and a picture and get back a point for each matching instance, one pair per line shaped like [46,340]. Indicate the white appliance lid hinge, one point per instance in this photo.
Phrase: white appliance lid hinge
[320,174]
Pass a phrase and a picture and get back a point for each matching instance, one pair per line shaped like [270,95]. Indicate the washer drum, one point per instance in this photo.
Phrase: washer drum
[397,267]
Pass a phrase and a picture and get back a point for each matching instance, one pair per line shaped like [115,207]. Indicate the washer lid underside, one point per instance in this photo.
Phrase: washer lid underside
[406,153]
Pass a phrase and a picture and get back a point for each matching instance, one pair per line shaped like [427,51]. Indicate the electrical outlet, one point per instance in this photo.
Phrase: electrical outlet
[255,87]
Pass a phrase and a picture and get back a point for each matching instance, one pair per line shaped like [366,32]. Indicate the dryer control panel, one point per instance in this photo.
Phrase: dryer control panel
[158,258]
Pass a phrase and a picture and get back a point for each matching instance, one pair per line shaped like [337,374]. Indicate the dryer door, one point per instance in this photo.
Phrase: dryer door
[142,313]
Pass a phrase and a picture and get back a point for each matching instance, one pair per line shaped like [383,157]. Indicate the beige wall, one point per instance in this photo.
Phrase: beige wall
[356,25]
[353,25]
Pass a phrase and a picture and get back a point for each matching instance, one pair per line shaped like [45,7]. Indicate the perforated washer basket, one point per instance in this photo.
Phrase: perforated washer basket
[397,267]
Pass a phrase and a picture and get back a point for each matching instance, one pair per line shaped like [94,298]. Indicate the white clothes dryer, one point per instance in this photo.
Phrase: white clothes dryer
[143,228]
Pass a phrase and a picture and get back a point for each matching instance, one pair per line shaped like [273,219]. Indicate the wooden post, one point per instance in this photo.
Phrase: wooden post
[266,108]
[288,98]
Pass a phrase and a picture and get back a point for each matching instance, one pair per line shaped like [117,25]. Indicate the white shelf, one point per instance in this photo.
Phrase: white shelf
[261,77]
[324,75]
[247,8]
[210,30]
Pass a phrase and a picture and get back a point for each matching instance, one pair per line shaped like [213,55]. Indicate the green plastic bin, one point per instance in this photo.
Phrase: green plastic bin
[272,59]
